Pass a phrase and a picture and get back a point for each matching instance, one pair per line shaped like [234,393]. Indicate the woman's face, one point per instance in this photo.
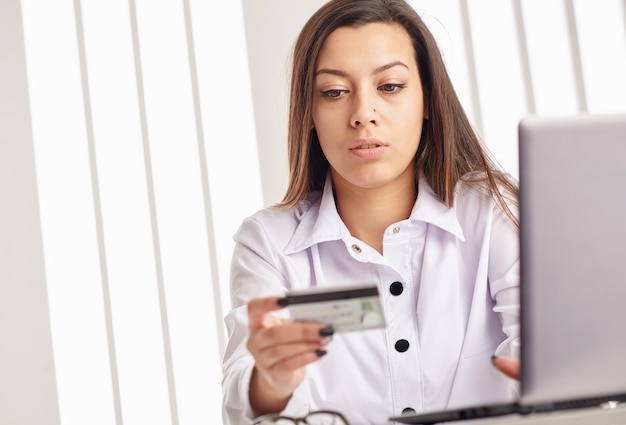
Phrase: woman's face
[368,105]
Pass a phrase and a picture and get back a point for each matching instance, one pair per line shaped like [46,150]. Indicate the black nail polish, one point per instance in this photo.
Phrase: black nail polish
[320,353]
[283,302]
[327,331]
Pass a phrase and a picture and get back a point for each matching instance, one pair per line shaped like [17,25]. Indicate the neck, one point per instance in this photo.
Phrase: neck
[367,212]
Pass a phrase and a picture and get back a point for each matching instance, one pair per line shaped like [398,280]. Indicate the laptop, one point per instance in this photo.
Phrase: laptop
[572,179]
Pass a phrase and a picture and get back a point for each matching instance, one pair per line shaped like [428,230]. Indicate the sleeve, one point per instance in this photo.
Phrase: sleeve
[504,278]
[254,273]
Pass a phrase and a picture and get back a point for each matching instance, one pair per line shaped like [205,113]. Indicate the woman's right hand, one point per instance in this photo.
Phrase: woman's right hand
[281,349]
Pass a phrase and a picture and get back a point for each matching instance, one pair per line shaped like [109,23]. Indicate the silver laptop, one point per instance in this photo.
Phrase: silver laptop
[573,267]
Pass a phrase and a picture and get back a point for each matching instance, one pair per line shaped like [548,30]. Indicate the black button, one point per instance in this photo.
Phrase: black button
[396,288]
[402,345]
[408,410]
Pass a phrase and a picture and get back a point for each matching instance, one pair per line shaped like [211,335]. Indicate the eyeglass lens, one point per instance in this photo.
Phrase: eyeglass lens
[314,418]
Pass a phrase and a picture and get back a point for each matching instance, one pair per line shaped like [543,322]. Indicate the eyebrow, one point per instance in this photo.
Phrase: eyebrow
[345,74]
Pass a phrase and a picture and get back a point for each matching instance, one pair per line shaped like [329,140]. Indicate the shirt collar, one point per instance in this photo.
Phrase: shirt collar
[321,222]
[431,209]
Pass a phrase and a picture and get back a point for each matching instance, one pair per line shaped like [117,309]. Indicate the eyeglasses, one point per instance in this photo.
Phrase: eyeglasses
[320,417]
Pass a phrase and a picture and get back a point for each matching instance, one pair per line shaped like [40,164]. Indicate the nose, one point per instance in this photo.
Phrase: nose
[364,112]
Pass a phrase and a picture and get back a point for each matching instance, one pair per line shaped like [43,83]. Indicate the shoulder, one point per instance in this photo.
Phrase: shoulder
[476,186]
[277,223]
[476,198]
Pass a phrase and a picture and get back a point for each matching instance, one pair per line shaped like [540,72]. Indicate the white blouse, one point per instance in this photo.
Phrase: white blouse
[449,287]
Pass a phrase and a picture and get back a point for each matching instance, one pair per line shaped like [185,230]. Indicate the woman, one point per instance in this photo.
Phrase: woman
[388,184]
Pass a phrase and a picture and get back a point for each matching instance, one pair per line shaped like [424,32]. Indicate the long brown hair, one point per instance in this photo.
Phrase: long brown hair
[449,149]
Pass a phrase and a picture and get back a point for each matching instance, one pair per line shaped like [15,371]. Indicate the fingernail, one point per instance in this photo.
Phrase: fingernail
[283,302]
[493,360]
[327,331]
[320,353]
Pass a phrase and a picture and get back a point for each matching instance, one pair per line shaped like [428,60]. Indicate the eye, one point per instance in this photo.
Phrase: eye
[392,87]
[333,93]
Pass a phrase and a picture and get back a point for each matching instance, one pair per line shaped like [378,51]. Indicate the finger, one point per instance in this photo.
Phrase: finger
[281,352]
[290,364]
[285,370]
[291,356]
[283,377]
[507,365]
[290,332]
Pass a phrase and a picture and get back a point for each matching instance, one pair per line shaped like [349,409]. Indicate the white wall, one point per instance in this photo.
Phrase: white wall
[135,137]
[269,59]
[27,374]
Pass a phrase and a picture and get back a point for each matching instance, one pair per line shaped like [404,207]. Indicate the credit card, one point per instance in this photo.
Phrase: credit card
[347,308]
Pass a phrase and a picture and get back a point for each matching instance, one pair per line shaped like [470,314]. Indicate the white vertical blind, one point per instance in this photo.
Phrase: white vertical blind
[70,238]
[129,167]
[146,147]
[602,34]
[550,58]
[499,75]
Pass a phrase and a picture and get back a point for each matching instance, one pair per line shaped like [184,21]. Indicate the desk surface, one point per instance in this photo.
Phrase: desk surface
[588,416]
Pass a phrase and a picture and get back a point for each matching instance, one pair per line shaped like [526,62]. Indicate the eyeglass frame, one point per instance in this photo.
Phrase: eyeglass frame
[278,416]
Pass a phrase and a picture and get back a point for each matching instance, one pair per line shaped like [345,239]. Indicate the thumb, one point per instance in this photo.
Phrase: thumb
[258,309]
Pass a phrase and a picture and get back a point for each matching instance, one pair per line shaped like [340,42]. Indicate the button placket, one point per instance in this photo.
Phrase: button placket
[403,343]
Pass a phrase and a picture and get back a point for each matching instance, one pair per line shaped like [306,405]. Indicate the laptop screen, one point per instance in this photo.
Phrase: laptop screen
[573,257]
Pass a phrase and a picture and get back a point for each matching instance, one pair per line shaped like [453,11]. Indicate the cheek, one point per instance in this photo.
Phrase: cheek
[411,116]
[408,124]
[325,141]
[326,125]
[326,117]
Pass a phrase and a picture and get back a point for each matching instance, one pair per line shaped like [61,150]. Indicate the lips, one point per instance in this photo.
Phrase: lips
[366,144]
[368,149]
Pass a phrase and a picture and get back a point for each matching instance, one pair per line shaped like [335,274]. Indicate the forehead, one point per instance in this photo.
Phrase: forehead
[373,43]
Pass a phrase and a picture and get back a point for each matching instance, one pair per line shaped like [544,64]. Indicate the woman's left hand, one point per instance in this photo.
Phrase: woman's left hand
[507,365]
